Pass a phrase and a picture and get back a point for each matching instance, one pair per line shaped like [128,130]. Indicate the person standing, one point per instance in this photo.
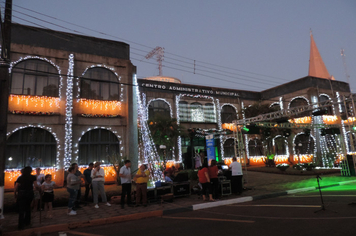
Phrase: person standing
[40,178]
[236,176]
[204,180]
[88,179]
[73,185]
[213,174]
[97,175]
[24,194]
[197,160]
[48,195]
[79,194]
[125,175]
[142,176]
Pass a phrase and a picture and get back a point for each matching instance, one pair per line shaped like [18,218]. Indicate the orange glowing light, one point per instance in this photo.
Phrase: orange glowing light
[301,120]
[99,107]
[169,164]
[110,174]
[258,160]
[331,120]
[303,158]
[28,103]
[12,175]
[229,126]
[281,159]
[350,121]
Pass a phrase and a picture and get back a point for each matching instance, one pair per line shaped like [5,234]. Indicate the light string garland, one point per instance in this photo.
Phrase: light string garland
[33,105]
[302,97]
[68,143]
[160,99]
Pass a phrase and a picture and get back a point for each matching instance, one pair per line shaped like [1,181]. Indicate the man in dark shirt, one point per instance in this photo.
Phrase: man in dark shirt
[87,178]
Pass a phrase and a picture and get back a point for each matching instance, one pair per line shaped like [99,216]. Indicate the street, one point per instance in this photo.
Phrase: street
[287,215]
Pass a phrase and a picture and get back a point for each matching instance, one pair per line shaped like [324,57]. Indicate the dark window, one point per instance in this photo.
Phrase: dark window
[209,113]
[100,84]
[98,145]
[297,103]
[35,77]
[196,112]
[228,114]
[280,146]
[324,98]
[31,147]
[276,107]
[229,150]
[184,114]
[158,108]
[353,141]
[255,148]
[304,144]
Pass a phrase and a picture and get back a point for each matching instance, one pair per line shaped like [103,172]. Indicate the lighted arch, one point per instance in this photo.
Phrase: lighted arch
[159,99]
[298,97]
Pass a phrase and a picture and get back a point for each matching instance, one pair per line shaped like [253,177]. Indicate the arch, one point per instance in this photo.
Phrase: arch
[349,149]
[279,148]
[297,102]
[35,76]
[31,146]
[98,144]
[276,105]
[99,82]
[228,113]
[229,150]
[159,106]
[324,97]
[303,144]
[160,99]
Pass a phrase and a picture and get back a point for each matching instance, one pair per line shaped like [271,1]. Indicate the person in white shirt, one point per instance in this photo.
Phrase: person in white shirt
[97,175]
[125,175]
[236,176]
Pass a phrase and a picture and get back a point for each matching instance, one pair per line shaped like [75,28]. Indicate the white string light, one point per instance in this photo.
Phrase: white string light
[69,114]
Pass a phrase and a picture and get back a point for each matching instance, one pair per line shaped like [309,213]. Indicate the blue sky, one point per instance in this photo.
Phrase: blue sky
[250,45]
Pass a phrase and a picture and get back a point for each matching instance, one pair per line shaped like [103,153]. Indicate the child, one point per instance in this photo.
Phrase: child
[48,195]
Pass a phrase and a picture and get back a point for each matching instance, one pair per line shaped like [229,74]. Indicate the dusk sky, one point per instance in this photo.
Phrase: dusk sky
[249,45]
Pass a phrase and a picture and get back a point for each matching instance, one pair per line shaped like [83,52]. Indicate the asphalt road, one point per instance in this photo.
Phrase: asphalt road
[288,215]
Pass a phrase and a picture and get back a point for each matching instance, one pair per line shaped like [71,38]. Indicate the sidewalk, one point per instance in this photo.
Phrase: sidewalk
[260,185]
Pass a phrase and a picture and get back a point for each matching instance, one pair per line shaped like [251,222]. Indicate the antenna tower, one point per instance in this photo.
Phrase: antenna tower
[159,52]
[345,66]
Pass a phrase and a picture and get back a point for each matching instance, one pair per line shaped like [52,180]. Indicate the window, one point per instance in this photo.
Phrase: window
[228,114]
[196,112]
[351,149]
[276,107]
[183,111]
[209,113]
[35,77]
[255,148]
[297,103]
[304,144]
[97,145]
[100,84]
[324,98]
[158,108]
[31,147]
[229,150]
[280,146]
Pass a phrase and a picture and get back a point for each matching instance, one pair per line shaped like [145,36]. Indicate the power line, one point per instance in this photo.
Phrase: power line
[211,64]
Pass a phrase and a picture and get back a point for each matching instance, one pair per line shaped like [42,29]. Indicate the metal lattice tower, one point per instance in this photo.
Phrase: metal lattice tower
[159,52]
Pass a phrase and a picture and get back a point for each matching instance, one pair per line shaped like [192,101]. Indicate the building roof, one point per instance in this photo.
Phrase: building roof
[46,38]
[317,67]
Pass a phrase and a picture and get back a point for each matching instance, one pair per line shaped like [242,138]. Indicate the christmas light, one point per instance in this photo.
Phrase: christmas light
[99,107]
[331,120]
[69,114]
[302,97]
[160,99]
[301,120]
[29,103]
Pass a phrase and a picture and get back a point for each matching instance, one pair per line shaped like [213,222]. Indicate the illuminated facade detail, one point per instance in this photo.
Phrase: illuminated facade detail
[275,104]
[315,144]
[285,142]
[301,97]
[281,103]
[326,95]
[68,145]
[99,107]
[28,104]
[301,120]
[331,120]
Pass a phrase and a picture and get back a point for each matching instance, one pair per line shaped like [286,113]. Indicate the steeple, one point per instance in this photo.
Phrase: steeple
[317,67]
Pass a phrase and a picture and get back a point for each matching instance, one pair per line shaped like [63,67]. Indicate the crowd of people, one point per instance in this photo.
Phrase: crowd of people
[32,190]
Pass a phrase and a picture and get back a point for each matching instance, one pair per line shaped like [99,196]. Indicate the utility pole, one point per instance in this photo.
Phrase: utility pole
[4,93]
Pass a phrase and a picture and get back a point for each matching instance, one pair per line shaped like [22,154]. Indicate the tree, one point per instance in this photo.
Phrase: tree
[165,131]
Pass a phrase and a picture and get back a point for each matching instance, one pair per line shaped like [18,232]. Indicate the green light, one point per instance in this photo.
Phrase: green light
[354,128]
[245,129]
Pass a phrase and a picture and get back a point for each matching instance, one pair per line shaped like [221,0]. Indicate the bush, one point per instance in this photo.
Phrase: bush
[309,166]
[298,166]
[282,167]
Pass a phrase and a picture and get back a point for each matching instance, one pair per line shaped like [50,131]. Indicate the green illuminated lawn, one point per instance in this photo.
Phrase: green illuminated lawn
[326,181]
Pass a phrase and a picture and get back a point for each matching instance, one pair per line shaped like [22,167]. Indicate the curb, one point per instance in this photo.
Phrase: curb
[158,213]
